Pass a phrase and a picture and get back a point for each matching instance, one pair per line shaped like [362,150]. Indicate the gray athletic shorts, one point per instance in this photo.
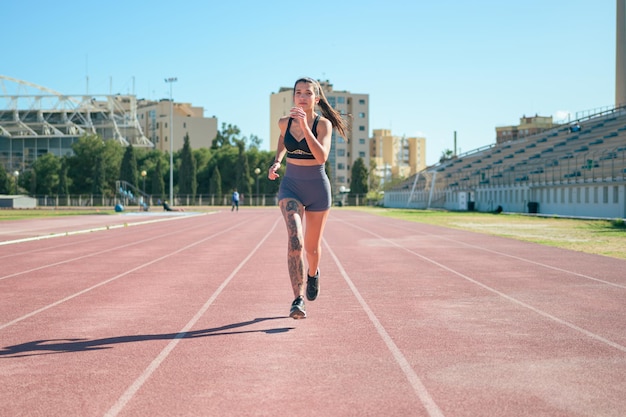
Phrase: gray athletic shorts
[307,184]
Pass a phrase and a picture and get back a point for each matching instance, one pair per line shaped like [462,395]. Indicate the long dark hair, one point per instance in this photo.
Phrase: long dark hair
[327,111]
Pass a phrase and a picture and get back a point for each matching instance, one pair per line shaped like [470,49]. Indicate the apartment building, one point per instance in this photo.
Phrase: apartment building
[154,118]
[527,126]
[395,156]
[344,151]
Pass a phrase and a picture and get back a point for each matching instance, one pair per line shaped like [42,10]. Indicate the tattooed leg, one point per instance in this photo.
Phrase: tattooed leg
[292,212]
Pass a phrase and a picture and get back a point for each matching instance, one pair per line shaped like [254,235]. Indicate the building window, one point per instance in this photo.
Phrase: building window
[361,154]
[341,152]
[615,194]
[362,141]
[362,128]
[341,100]
[362,115]
[362,101]
[341,165]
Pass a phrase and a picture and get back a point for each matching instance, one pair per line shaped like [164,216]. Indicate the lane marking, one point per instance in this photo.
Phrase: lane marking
[501,294]
[154,365]
[86,290]
[93,254]
[94,229]
[418,386]
[555,268]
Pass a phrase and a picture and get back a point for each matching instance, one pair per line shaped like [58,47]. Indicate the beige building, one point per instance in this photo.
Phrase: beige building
[154,118]
[343,153]
[397,157]
[527,126]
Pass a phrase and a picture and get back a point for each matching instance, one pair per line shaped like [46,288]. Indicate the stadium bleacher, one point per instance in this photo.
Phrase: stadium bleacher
[591,150]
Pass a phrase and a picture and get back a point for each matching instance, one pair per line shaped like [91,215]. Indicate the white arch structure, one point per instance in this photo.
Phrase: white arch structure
[30,111]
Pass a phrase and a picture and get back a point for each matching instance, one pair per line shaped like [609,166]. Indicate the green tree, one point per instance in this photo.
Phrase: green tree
[226,136]
[99,176]
[262,160]
[46,171]
[203,164]
[374,180]
[215,184]
[225,159]
[158,183]
[5,181]
[64,187]
[128,169]
[82,165]
[255,142]
[242,174]
[359,178]
[446,155]
[187,181]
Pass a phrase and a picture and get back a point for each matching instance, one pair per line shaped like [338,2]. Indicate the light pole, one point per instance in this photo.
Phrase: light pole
[143,175]
[257,171]
[16,175]
[170,81]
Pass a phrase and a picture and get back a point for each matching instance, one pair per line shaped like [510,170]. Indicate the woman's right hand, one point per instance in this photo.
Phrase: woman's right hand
[272,174]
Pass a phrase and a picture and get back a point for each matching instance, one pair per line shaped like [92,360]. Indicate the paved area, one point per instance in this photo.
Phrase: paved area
[187,315]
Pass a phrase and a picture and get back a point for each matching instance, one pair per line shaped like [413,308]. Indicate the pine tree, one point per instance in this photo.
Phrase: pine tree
[358,180]
[5,181]
[64,188]
[158,183]
[187,180]
[128,169]
[215,184]
[99,177]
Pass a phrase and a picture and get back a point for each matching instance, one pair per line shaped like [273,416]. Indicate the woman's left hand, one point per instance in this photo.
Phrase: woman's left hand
[299,115]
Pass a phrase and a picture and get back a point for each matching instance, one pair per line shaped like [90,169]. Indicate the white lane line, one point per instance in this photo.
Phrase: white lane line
[93,229]
[503,295]
[419,388]
[154,365]
[93,254]
[86,290]
[613,284]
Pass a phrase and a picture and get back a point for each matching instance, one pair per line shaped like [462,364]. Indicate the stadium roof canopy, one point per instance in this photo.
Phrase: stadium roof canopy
[29,110]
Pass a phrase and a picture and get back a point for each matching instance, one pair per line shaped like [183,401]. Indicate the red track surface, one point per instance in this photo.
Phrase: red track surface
[188,317]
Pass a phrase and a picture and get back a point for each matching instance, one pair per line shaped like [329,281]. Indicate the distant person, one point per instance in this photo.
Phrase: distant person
[235,200]
[304,193]
[575,128]
[167,207]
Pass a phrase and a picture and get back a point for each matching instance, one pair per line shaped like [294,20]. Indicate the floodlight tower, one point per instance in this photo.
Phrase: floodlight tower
[170,81]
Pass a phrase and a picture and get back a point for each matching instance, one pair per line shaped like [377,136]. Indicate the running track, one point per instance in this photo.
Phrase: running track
[186,315]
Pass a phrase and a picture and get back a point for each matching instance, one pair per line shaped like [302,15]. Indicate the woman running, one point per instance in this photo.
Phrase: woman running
[305,139]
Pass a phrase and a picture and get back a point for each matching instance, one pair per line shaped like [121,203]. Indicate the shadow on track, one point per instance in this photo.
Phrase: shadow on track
[47,347]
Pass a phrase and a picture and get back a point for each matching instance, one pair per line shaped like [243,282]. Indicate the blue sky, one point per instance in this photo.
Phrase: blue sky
[430,67]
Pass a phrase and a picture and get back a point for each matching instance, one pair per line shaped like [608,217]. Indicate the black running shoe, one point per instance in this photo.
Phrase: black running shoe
[298,310]
[313,286]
